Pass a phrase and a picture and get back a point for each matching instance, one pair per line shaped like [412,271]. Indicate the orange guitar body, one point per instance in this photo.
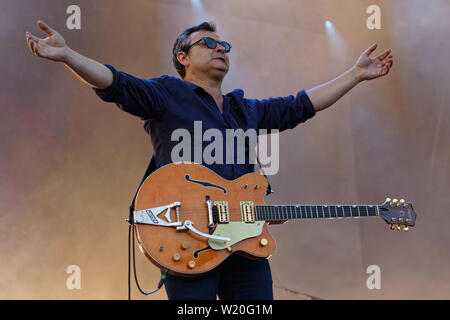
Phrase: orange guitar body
[184,252]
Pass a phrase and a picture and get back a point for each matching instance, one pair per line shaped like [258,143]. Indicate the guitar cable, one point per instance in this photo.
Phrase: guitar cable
[131,243]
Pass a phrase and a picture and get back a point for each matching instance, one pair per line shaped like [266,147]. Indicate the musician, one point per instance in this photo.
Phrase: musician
[167,103]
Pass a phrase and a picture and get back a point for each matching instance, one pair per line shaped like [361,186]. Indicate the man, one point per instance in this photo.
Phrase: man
[167,103]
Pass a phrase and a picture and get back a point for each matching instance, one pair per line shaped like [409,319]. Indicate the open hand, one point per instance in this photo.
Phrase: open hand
[370,68]
[53,47]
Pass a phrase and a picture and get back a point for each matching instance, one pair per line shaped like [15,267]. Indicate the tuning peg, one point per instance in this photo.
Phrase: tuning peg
[405,228]
[392,227]
[388,199]
[398,227]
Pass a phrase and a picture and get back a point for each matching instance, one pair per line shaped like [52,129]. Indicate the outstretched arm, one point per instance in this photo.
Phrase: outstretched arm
[365,68]
[54,48]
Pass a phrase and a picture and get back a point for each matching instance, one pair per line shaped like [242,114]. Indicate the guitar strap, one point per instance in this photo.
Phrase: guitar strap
[240,120]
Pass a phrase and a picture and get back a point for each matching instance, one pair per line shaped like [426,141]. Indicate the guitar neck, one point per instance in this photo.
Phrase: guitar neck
[287,212]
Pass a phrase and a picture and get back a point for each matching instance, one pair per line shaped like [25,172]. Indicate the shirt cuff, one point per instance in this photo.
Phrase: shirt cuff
[306,102]
[109,94]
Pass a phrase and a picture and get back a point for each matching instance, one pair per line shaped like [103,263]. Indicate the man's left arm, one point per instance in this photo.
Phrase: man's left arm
[365,68]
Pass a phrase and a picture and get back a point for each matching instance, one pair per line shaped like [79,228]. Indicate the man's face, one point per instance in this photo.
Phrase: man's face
[201,59]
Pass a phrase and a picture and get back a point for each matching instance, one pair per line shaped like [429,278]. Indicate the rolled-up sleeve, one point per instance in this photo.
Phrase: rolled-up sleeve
[144,98]
[283,112]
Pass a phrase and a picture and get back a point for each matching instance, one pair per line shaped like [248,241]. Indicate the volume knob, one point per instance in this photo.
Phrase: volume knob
[176,257]
[185,245]
[264,242]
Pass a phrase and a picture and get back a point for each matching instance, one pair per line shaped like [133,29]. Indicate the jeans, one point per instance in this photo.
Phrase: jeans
[237,278]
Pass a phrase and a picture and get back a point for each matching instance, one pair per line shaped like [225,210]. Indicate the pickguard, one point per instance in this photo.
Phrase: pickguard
[236,231]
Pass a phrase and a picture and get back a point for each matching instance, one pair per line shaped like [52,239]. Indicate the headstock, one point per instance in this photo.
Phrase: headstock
[398,212]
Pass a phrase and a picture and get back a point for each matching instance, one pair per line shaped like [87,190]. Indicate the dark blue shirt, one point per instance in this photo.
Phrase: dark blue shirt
[168,103]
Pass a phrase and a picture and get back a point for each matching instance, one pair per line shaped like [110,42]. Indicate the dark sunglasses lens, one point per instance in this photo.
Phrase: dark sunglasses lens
[211,43]
[226,45]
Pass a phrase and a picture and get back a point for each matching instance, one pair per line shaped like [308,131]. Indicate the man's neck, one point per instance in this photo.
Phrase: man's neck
[212,86]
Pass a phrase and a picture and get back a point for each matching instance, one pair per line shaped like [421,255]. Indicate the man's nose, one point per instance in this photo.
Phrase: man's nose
[220,48]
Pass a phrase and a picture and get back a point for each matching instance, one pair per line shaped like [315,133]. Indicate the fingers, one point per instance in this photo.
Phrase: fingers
[387,65]
[32,42]
[44,27]
[370,49]
[383,55]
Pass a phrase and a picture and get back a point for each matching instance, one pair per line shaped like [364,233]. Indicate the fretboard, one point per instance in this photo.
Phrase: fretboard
[286,212]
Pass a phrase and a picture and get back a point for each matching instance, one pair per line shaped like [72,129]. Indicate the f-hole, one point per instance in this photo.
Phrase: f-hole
[196,253]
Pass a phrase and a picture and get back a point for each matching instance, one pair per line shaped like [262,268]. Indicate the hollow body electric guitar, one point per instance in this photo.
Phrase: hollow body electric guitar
[188,219]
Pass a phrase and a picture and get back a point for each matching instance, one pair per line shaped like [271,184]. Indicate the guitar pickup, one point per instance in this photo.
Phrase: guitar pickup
[222,211]
[248,211]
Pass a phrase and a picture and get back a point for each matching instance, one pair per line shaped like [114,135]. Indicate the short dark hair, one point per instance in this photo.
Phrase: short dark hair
[182,43]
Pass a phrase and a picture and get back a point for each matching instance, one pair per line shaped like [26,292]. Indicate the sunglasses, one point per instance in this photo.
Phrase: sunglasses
[212,44]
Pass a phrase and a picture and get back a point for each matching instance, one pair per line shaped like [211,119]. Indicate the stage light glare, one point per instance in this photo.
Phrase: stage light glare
[196,3]
[328,24]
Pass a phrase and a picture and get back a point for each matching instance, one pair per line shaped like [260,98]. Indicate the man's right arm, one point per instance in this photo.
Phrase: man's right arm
[54,48]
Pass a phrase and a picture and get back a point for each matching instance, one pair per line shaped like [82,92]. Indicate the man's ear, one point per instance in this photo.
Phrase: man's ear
[183,58]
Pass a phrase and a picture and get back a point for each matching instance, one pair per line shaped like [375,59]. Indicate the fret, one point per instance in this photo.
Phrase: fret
[297,212]
[326,211]
[339,211]
[332,211]
[314,211]
[303,212]
[362,211]
[320,211]
[347,211]
[308,212]
[355,211]
[372,211]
